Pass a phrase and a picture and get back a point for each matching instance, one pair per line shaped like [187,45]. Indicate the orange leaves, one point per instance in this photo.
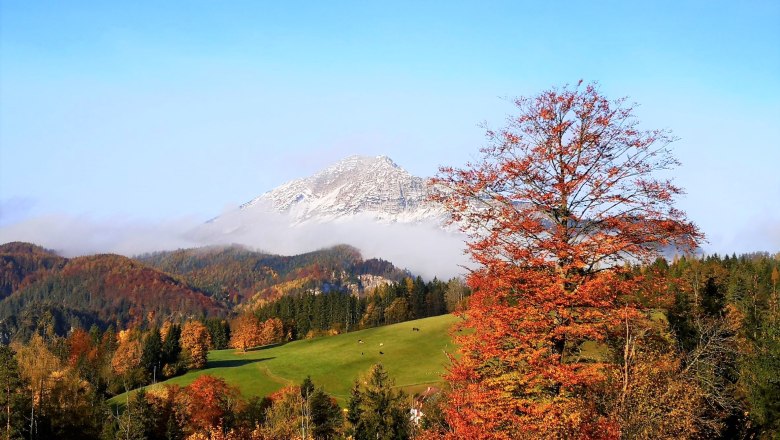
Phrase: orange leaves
[127,356]
[562,197]
[195,341]
[245,332]
[201,409]
[248,331]
[208,400]
[273,331]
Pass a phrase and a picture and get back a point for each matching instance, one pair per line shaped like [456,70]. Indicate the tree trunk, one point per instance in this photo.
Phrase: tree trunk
[8,412]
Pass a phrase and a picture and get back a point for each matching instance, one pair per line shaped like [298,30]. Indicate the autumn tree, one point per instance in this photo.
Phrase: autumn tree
[283,417]
[397,311]
[655,392]
[169,406]
[246,332]
[80,345]
[127,357]
[36,366]
[71,408]
[195,342]
[455,294]
[272,331]
[562,197]
[208,401]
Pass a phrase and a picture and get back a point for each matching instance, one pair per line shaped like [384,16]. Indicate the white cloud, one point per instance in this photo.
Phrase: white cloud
[423,248]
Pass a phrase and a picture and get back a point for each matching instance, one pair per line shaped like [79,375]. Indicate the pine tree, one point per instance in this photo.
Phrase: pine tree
[219,331]
[326,415]
[137,421]
[151,354]
[355,412]
[12,396]
[378,411]
[171,349]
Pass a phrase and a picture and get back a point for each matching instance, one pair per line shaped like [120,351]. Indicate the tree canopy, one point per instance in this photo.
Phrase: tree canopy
[562,197]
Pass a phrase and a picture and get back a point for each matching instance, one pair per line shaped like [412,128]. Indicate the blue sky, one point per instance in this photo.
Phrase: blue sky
[162,110]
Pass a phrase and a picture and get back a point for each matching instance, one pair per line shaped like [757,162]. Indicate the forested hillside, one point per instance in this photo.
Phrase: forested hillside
[22,262]
[307,314]
[100,289]
[725,315]
[702,360]
[42,290]
[237,273]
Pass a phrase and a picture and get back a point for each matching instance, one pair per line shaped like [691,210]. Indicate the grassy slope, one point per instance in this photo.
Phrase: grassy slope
[413,359]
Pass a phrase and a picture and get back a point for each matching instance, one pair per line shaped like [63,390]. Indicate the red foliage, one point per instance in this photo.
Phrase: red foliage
[207,400]
[22,264]
[561,200]
[80,347]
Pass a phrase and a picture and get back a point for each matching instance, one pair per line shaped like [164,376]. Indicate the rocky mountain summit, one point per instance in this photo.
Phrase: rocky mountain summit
[374,187]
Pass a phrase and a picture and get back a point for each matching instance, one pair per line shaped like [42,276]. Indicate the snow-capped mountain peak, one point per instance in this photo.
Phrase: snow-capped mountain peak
[355,186]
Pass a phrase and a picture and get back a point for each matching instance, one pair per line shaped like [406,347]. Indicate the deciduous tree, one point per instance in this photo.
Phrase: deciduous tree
[195,342]
[272,331]
[397,311]
[209,401]
[283,418]
[36,366]
[127,357]
[246,332]
[560,200]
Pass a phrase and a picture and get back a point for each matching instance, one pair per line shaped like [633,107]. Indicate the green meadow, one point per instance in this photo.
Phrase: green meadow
[414,359]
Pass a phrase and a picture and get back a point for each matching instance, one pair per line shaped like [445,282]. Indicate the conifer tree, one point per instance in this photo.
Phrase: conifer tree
[377,411]
[12,396]
[171,349]
[151,354]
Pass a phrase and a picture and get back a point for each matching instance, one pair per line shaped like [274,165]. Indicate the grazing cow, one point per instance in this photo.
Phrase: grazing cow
[360,341]
[381,344]
[415,329]
[361,353]
[381,352]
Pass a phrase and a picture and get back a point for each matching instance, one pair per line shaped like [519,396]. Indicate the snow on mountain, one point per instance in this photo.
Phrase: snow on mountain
[363,186]
[367,202]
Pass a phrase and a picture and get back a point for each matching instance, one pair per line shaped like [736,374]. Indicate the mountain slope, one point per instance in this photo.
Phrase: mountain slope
[101,289]
[238,273]
[415,359]
[24,262]
[367,202]
[358,185]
